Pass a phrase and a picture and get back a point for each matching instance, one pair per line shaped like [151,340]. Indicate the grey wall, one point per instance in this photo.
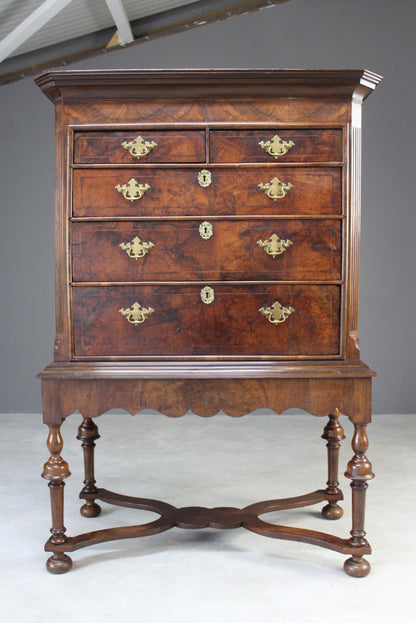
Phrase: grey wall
[377,34]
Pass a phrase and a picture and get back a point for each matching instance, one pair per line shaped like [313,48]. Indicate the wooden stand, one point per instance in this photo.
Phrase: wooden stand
[318,392]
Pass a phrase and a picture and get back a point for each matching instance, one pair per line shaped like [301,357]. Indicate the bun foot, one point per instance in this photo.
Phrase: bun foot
[357,567]
[332,511]
[59,563]
[90,509]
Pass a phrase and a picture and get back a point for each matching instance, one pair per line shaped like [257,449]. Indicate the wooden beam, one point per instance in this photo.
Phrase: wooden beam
[121,20]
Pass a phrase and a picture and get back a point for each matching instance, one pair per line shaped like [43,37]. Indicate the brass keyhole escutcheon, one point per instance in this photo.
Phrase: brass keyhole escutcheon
[207,295]
[206,230]
[204,178]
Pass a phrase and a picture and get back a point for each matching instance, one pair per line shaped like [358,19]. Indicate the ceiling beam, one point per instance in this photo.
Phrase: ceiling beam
[41,16]
[121,20]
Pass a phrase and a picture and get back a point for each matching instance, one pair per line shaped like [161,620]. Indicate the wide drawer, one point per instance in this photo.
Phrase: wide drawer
[174,192]
[254,249]
[139,147]
[173,321]
[311,145]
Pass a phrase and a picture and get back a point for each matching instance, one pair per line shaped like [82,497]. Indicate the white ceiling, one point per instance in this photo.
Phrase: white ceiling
[79,17]
[40,34]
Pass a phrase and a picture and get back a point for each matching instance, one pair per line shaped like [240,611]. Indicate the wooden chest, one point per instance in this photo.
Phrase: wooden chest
[207,256]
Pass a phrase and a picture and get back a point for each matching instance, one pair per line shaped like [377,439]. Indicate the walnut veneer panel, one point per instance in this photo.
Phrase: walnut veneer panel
[96,147]
[175,192]
[232,251]
[310,145]
[182,325]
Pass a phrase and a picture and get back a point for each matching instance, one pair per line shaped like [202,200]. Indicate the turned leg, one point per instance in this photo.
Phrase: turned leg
[359,470]
[88,433]
[334,434]
[55,470]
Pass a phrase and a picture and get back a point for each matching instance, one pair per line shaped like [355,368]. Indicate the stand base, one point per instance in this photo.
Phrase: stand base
[195,517]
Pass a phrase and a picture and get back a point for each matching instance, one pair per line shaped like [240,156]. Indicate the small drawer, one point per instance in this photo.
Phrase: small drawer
[312,145]
[175,192]
[261,250]
[139,147]
[206,320]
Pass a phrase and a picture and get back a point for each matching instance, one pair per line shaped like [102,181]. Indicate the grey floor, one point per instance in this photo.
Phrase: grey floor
[199,576]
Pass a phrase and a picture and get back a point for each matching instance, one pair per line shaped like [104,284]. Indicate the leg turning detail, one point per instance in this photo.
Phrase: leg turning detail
[55,470]
[88,433]
[359,470]
[334,434]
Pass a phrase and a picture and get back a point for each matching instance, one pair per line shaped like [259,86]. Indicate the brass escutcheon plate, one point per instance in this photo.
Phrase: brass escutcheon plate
[207,295]
[204,178]
[206,230]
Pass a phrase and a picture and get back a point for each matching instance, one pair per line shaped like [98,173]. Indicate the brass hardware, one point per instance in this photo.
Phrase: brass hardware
[276,313]
[275,189]
[206,230]
[204,178]
[207,295]
[274,245]
[136,314]
[276,146]
[131,190]
[136,248]
[139,147]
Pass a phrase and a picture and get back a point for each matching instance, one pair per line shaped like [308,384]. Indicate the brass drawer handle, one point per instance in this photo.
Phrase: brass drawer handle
[132,190]
[275,189]
[206,230]
[207,295]
[139,147]
[276,146]
[136,314]
[276,313]
[274,246]
[136,248]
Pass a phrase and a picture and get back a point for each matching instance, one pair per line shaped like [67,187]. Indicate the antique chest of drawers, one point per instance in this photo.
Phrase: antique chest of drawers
[207,255]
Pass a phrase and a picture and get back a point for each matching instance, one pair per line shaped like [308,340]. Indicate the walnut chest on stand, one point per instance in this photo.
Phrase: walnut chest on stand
[207,259]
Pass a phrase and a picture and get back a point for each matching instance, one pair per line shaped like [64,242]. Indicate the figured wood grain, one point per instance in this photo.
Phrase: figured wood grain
[175,192]
[232,252]
[310,145]
[182,324]
[171,146]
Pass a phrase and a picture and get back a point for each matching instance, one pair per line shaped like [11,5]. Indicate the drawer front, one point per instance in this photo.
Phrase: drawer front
[208,250]
[139,147]
[175,192]
[173,321]
[312,145]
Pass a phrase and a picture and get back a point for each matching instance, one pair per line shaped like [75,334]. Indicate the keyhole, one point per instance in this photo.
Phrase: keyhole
[204,178]
[207,295]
